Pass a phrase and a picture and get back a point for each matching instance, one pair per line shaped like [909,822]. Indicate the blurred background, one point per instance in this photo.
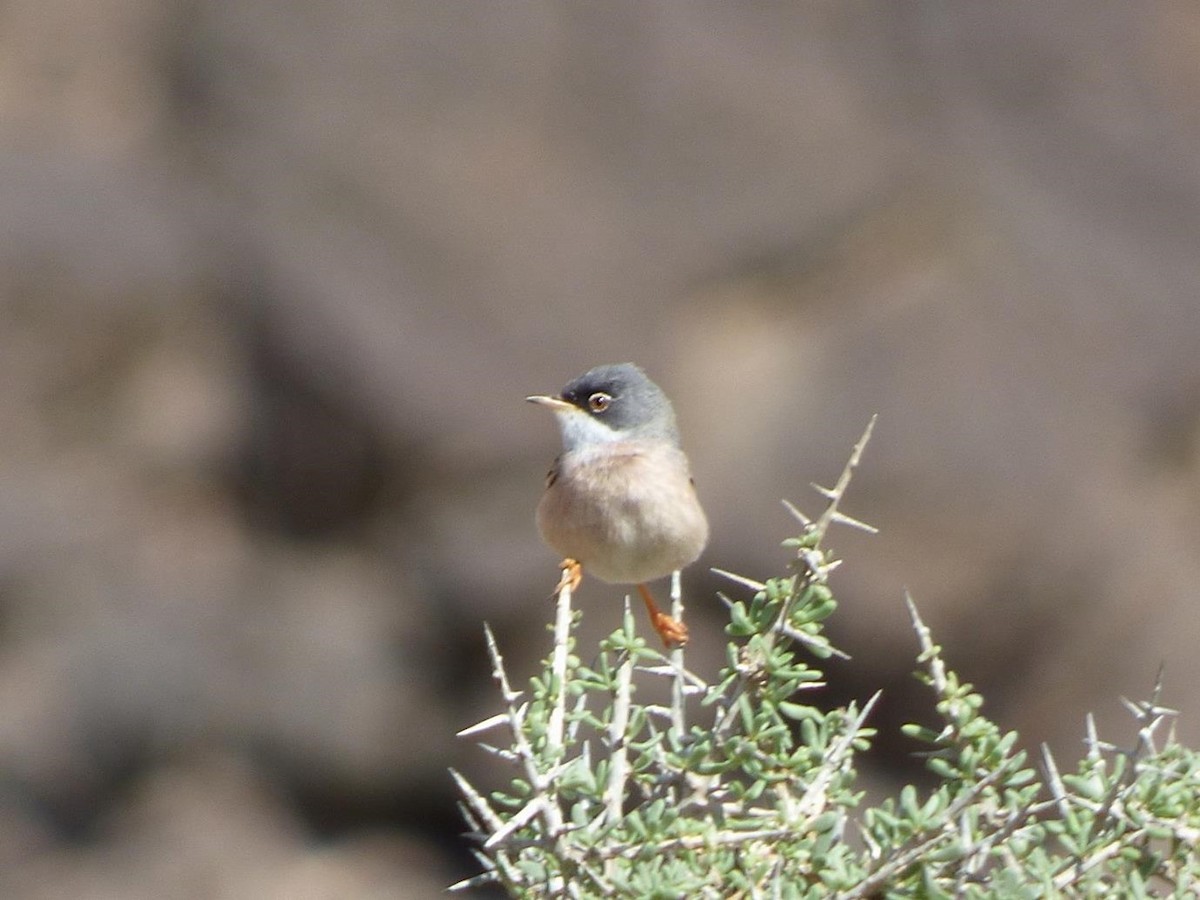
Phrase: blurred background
[275,278]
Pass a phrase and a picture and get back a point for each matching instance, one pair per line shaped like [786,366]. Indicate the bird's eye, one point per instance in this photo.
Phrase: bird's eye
[599,401]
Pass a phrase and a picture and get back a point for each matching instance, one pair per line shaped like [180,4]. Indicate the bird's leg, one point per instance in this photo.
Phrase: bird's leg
[673,632]
[572,574]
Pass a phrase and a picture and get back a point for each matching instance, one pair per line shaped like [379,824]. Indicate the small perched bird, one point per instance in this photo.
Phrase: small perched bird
[619,500]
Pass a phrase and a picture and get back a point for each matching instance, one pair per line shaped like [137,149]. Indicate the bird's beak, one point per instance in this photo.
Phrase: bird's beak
[554,404]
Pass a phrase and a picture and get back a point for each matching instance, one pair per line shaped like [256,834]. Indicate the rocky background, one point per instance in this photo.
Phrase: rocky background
[275,278]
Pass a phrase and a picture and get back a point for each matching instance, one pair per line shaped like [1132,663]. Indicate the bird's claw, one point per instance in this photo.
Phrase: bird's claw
[673,632]
[572,574]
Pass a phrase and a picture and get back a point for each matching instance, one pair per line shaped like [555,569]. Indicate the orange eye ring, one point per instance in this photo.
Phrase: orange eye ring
[599,401]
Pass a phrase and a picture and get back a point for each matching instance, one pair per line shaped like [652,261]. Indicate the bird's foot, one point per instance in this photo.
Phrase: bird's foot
[572,574]
[673,632]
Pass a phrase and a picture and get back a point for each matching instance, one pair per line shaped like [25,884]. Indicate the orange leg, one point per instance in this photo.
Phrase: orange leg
[673,632]
[572,574]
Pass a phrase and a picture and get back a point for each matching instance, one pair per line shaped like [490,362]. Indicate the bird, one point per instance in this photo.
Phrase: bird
[620,501]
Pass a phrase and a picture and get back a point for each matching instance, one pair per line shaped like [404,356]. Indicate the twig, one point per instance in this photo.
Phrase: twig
[516,719]
[618,772]
[929,650]
[835,494]
[558,669]
[677,682]
[1054,782]
[918,845]
[814,798]
[1149,716]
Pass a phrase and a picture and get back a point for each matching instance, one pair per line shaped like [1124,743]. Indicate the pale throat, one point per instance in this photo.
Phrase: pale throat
[579,430]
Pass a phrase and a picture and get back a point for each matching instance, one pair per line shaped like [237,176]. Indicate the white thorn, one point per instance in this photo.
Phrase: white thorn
[740,579]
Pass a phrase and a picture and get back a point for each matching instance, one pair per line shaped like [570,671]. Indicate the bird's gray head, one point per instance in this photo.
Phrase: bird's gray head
[612,403]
